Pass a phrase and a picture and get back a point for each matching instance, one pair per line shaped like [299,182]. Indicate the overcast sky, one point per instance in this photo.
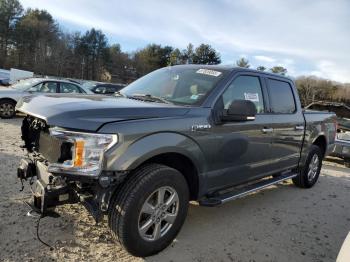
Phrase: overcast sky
[306,37]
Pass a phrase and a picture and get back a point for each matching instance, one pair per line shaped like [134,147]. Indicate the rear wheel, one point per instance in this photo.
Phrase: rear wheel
[311,171]
[7,108]
[149,209]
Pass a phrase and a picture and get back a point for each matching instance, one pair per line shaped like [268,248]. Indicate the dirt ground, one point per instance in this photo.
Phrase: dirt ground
[281,223]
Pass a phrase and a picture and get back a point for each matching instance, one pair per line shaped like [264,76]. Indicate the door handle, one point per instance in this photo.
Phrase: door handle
[299,128]
[267,130]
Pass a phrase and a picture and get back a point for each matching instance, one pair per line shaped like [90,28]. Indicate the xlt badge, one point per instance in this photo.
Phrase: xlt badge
[200,127]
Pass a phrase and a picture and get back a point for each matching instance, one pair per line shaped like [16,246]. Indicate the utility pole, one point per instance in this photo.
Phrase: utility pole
[82,68]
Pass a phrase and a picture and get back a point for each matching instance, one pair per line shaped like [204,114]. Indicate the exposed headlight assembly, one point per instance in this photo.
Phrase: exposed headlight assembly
[87,152]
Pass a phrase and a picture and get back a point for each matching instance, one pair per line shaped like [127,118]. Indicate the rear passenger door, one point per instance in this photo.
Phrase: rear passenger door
[287,124]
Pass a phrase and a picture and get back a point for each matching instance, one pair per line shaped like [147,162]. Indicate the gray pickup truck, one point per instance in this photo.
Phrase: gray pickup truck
[193,132]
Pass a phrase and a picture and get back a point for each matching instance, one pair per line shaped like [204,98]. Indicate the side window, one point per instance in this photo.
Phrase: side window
[69,88]
[111,89]
[281,97]
[245,88]
[45,87]
[101,90]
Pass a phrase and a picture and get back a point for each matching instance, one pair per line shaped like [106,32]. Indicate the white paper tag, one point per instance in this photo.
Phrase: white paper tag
[254,97]
[208,72]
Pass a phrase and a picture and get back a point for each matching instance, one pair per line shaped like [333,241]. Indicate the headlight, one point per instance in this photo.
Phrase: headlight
[87,152]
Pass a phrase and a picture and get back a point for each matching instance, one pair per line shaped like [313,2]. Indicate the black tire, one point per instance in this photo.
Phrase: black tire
[125,209]
[303,180]
[7,108]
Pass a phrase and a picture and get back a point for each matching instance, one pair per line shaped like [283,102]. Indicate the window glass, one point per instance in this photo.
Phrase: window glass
[245,88]
[281,97]
[100,90]
[44,87]
[112,89]
[69,88]
[180,85]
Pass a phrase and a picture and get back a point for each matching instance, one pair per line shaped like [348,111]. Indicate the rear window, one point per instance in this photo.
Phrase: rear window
[281,97]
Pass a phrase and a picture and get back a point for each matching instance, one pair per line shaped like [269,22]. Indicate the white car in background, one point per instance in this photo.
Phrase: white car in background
[10,96]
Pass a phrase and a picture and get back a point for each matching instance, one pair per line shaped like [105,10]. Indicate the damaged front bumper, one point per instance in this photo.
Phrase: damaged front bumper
[47,190]
[51,190]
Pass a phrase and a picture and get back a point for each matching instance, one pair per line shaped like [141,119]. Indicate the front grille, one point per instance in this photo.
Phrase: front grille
[36,137]
[49,147]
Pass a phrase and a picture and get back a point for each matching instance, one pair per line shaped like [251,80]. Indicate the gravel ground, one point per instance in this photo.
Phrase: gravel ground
[281,223]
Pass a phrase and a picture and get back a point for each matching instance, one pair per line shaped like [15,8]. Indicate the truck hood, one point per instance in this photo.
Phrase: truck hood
[89,112]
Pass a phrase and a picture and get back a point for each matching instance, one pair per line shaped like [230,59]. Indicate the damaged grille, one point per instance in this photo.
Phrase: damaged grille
[36,137]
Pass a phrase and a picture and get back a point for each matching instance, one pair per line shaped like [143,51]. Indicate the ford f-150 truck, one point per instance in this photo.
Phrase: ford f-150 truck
[193,132]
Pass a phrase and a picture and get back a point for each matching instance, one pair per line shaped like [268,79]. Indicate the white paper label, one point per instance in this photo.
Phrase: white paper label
[208,72]
[254,97]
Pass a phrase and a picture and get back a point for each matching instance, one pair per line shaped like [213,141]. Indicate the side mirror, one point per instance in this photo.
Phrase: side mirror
[240,110]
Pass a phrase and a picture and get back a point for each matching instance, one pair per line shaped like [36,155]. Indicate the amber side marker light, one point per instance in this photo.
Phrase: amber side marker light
[79,151]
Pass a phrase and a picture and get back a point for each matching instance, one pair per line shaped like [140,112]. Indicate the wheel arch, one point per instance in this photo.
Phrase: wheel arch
[171,149]
[321,142]
[8,99]
[184,165]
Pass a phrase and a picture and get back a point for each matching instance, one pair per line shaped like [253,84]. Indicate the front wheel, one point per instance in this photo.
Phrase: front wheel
[149,210]
[7,108]
[311,171]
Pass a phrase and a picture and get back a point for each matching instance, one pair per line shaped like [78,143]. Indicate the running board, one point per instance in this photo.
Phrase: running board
[241,192]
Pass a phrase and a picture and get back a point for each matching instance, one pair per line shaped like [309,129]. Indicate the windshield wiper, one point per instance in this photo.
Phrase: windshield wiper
[150,98]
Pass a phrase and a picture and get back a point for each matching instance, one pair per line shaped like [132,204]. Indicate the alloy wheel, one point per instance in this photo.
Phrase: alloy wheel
[7,109]
[158,213]
[313,167]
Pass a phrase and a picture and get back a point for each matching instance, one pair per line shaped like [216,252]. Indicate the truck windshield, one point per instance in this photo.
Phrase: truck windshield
[179,85]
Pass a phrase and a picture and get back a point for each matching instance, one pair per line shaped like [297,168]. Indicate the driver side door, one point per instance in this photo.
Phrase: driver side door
[242,149]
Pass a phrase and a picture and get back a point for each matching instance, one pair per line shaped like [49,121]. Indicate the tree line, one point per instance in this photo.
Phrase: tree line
[310,88]
[32,40]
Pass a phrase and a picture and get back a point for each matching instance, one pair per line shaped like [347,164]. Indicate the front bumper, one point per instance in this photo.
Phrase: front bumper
[47,192]
[51,190]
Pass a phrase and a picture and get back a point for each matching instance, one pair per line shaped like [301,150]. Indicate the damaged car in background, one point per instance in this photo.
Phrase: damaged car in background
[342,142]
[210,134]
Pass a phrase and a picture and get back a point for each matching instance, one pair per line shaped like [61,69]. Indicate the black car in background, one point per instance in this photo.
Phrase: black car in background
[103,88]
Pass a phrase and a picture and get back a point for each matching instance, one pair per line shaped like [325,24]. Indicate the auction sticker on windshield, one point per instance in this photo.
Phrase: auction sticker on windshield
[208,72]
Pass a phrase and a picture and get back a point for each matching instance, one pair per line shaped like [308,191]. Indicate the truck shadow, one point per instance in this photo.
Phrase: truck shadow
[276,224]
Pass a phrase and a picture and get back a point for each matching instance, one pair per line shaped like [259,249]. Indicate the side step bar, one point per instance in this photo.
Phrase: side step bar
[246,190]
